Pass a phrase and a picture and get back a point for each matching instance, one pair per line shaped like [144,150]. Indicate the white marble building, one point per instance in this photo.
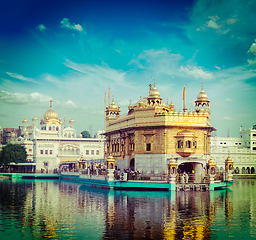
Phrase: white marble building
[50,144]
[242,151]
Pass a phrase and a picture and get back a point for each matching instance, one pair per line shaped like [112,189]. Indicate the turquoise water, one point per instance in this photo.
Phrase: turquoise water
[53,209]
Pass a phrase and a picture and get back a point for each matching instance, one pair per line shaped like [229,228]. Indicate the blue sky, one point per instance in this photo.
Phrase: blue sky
[73,51]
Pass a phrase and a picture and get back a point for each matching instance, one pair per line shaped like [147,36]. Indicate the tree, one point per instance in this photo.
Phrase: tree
[85,134]
[13,153]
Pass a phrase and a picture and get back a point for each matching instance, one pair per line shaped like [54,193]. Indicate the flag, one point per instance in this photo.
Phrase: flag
[183,93]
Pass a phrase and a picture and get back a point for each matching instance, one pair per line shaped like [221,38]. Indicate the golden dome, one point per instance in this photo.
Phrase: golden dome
[71,120]
[153,93]
[25,120]
[50,114]
[80,135]
[26,133]
[202,95]
[113,105]
[13,134]
[34,118]
[172,161]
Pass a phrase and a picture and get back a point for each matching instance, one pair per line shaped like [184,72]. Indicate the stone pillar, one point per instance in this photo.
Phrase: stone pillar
[172,174]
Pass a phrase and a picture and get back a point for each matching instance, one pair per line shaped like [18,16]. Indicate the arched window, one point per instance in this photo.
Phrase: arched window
[50,128]
[111,166]
[221,169]
[57,128]
[188,144]
[243,170]
[53,128]
[252,170]
[248,171]
[180,144]
[237,170]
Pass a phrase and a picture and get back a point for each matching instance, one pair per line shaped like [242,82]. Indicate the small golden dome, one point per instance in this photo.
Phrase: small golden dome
[80,135]
[34,118]
[141,102]
[26,133]
[210,160]
[130,106]
[25,120]
[13,134]
[71,120]
[171,106]
[113,105]
[202,95]
[50,114]
[229,159]
[172,161]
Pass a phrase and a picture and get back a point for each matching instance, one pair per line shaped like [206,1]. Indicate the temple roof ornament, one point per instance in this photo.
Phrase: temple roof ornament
[202,95]
[50,114]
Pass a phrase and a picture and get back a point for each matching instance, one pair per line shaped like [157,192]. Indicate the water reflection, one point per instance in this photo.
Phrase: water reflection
[32,209]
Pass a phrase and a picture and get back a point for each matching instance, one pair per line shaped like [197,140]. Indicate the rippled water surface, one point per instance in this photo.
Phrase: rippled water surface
[37,209]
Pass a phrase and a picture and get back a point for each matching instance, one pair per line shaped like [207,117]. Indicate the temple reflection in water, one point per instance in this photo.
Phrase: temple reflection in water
[63,209]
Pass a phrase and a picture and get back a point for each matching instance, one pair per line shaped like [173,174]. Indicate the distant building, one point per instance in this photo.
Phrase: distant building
[241,149]
[152,132]
[51,144]
[7,134]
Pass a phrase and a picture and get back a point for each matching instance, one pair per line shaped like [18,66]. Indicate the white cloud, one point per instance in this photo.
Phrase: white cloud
[70,103]
[65,23]
[196,72]
[228,100]
[252,49]
[20,77]
[212,23]
[232,20]
[51,78]
[23,98]
[228,118]
[98,74]
[41,27]
[251,62]
[217,67]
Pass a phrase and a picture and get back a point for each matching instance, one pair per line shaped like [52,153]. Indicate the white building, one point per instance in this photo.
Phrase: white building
[242,151]
[51,144]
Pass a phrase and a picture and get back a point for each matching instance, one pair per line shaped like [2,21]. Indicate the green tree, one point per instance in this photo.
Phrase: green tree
[85,134]
[13,153]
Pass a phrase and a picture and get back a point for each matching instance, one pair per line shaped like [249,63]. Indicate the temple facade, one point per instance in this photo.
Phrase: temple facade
[153,132]
[51,143]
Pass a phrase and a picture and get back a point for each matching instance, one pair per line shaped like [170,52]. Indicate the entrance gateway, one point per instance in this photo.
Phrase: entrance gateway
[196,172]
